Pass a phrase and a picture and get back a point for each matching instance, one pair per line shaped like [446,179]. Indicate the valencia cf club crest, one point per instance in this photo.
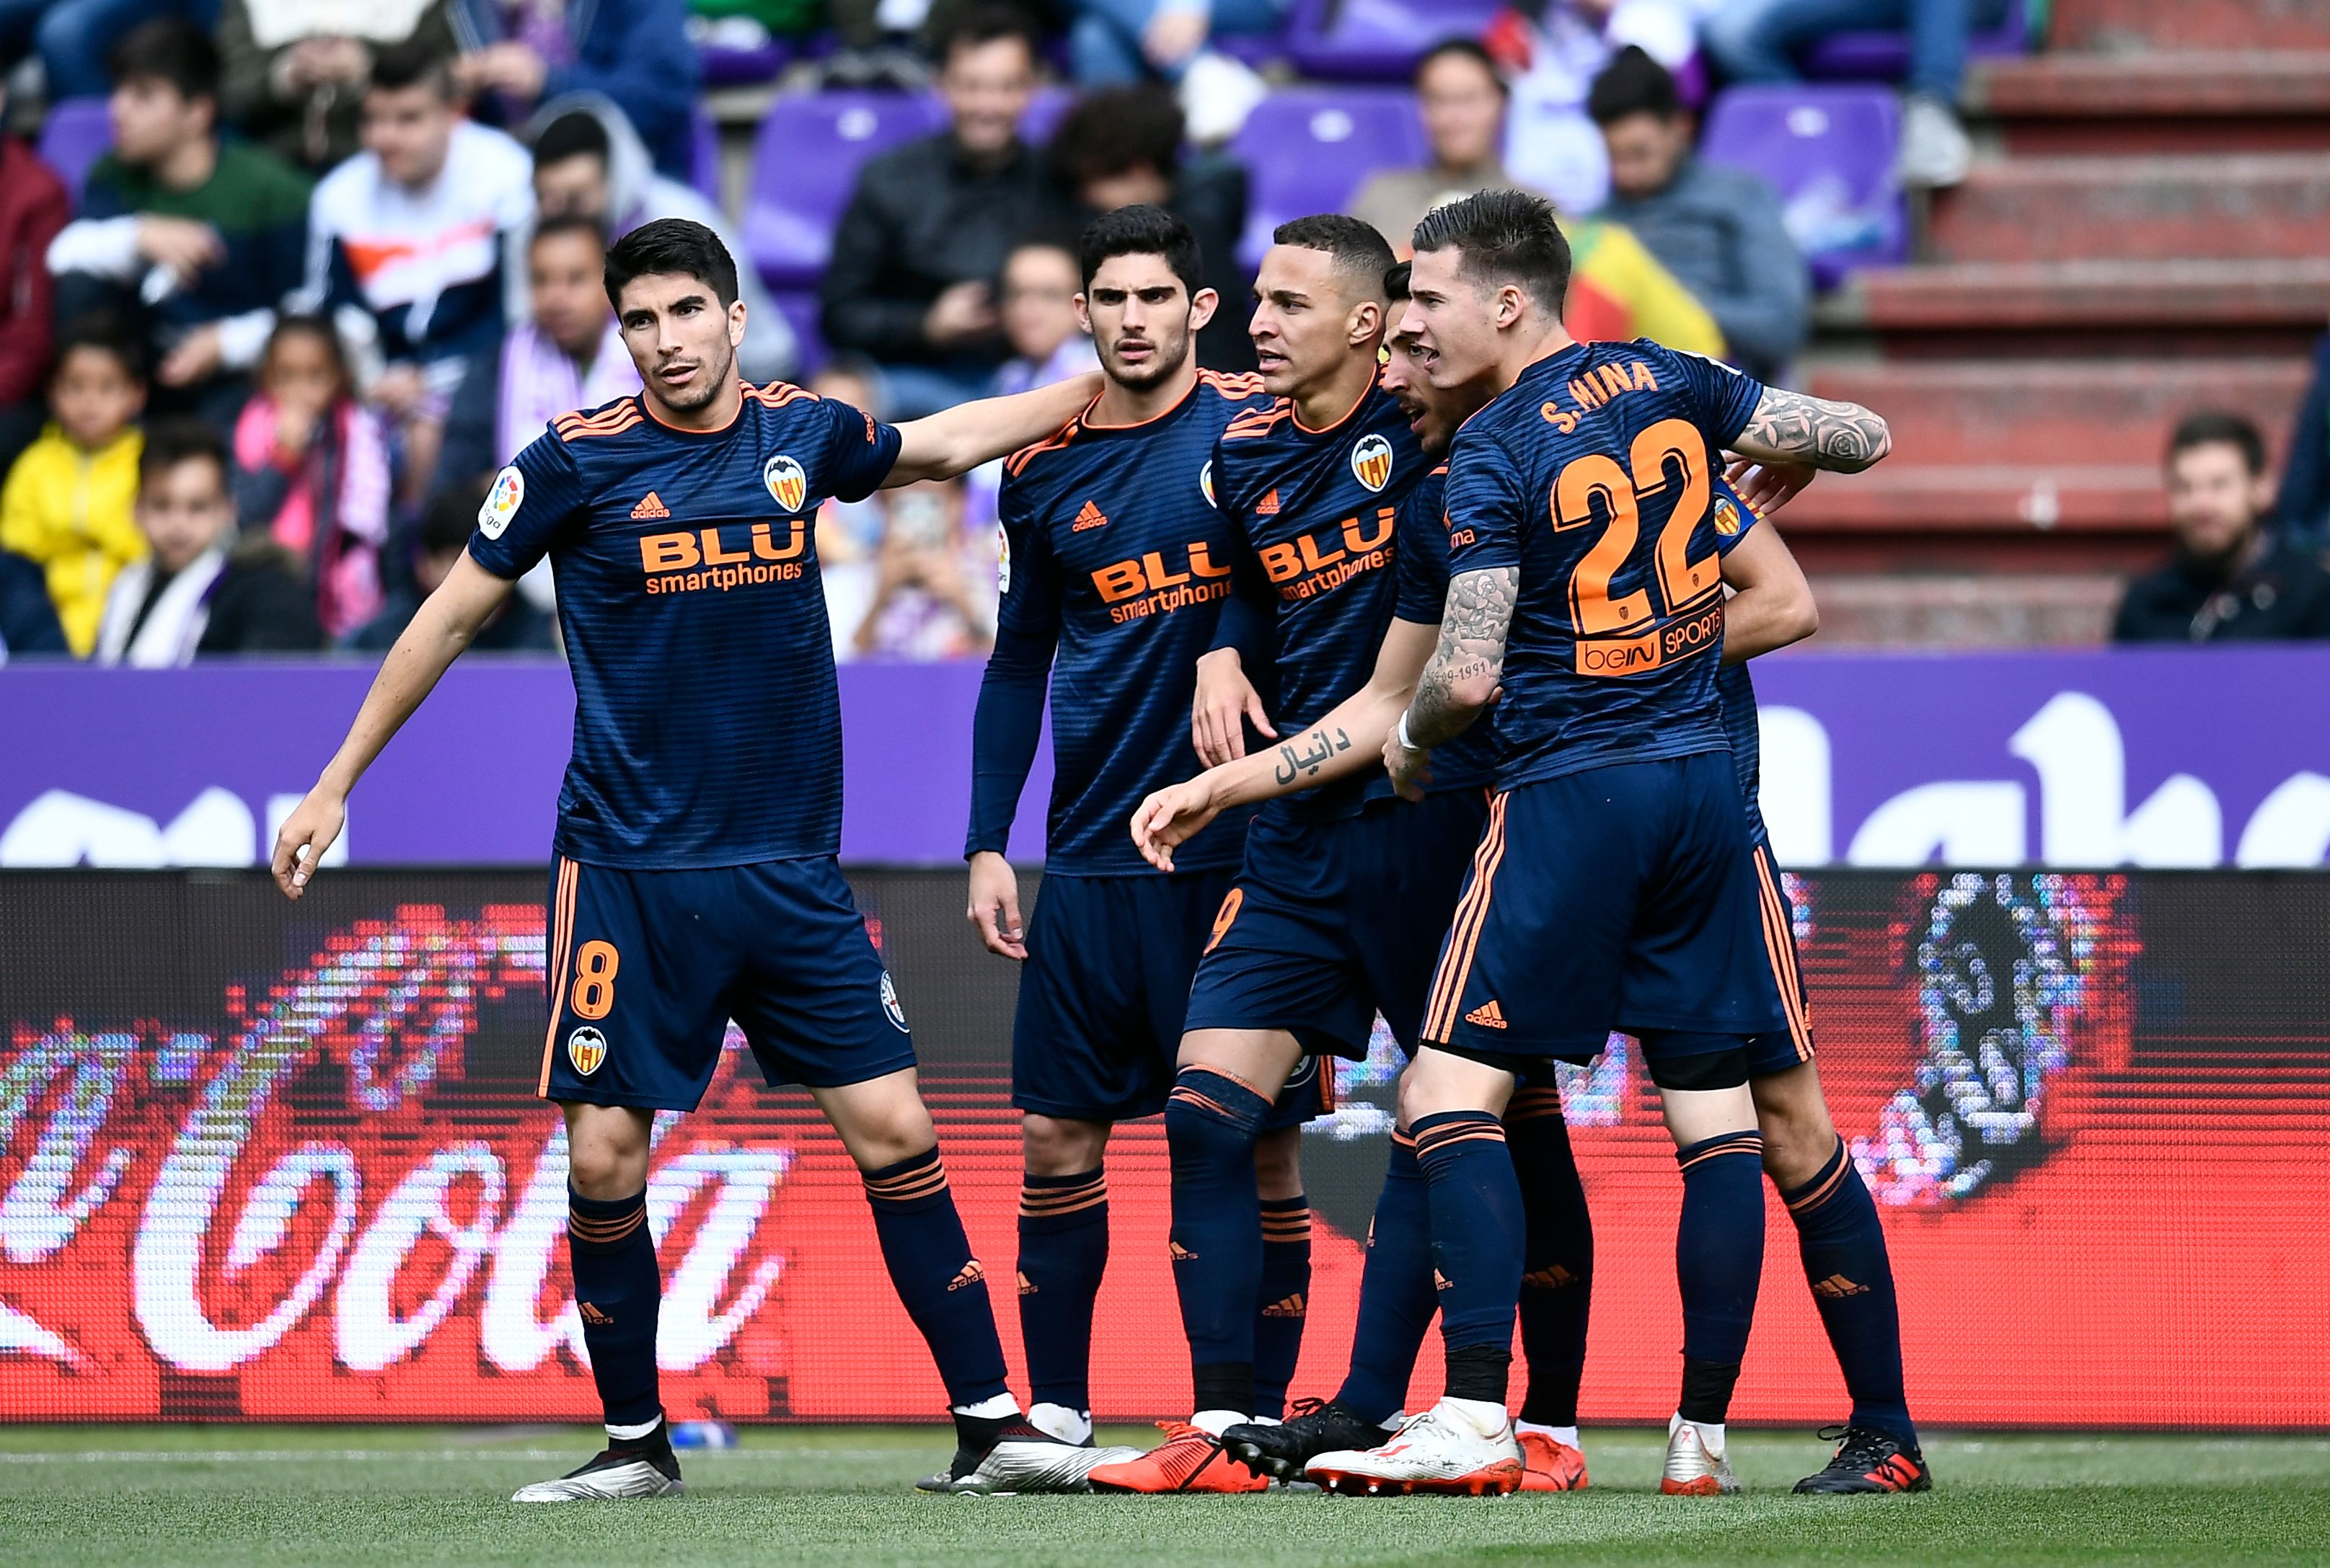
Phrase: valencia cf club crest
[1205,483]
[788,486]
[1371,462]
[501,502]
[586,1048]
[1727,517]
[890,1008]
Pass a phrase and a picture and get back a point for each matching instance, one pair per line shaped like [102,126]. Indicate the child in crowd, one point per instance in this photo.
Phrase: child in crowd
[312,472]
[67,504]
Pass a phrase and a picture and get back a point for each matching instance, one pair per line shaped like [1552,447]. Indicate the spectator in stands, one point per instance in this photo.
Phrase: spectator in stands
[1041,280]
[295,70]
[1121,146]
[1760,41]
[2303,501]
[849,532]
[71,38]
[2232,579]
[67,504]
[1115,41]
[519,625]
[910,284]
[926,600]
[198,592]
[311,471]
[1461,97]
[199,236]
[1551,50]
[29,626]
[588,161]
[406,242]
[519,53]
[33,207]
[1719,230]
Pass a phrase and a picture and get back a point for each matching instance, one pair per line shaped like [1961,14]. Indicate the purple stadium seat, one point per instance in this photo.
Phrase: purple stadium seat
[75,135]
[1307,150]
[1044,114]
[743,67]
[1378,39]
[704,155]
[1829,152]
[805,164]
[799,306]
[1885,56]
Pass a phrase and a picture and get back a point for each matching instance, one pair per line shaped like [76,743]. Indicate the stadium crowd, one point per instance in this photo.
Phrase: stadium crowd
[339,264]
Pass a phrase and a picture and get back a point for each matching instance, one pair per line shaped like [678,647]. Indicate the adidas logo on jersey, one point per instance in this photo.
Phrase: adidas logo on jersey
[1268,506]
[1488,1015]
[1292,1306]
[1091,516]
[650,505]
[1836,1287]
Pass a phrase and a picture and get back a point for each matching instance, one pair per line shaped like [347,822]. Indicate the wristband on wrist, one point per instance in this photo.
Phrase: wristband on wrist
[1403,732]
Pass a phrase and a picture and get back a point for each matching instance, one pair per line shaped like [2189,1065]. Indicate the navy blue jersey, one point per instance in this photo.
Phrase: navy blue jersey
[1470,760]
[708,728]
[1319,511]
[1114,556]
[1595,476]
[1737,692]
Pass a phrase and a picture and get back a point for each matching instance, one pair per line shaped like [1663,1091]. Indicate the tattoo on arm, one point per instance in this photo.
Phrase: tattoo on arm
[1470,658]
[1304,755]
[1844,436]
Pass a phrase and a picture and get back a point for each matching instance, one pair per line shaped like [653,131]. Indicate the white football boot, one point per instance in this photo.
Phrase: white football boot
[614,1474]
[1694,1470]
[1444,1450]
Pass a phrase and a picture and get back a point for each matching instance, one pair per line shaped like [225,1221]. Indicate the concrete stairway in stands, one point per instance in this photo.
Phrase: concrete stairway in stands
[2147,232]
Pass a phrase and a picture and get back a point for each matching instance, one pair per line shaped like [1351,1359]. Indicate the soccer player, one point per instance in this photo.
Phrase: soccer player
[1614,887]
[698,825]
[1330,919]
[1115,566]
[1771,607]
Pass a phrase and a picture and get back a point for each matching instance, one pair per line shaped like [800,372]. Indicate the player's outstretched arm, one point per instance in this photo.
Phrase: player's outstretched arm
[1771,604]
[958,440]
[1791,427]
[446,623]
[1337,747]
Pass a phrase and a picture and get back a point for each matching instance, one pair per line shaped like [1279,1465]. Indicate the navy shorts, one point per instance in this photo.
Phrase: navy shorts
[1103,991]
[1625,897]
[647,967]
[1331,923]
[1779,1050]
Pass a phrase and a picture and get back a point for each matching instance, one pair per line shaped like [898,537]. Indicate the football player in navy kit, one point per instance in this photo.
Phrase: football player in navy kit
[698,828]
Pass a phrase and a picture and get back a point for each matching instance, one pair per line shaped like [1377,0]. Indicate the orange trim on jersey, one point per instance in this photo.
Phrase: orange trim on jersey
[1255,422]
[778,393]
[1465,932]
[614,413]
[1243,383]
[1337,424]
[743,387]
[559,955]
[1179,403]
[1780,947]
[1016,463]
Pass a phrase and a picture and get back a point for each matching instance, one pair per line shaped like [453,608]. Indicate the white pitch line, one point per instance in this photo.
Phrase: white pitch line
[304,1456]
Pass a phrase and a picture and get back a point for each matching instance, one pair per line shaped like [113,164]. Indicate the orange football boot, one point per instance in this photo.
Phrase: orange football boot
[1189,1459]
[1550,1465]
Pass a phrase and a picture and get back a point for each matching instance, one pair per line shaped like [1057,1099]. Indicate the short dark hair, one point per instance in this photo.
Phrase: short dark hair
[679,246]
[451,515]
[181,439]
[1504,237]
[102,332]
[579,134]
[1143,231]
[1116,129]
[982,25]
[415,63]
[1395,280]
[2215,427]
[559,224]
[168,49]
[1633,83]
[298,324]
[1463,49]
[1357,248]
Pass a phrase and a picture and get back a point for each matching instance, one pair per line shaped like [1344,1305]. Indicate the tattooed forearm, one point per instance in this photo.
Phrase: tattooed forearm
[1309,752]
[1470,658]
[1791,426]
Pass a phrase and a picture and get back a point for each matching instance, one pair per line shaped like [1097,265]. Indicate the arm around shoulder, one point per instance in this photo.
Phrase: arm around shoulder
[1790,427]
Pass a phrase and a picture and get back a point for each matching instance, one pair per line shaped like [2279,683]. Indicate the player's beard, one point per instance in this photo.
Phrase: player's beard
[721,371]
[1163,365]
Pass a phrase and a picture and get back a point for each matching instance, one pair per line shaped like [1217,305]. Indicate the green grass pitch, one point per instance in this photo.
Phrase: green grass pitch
[124,1495]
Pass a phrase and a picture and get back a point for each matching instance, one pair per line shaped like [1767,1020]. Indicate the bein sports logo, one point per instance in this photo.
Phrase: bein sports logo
[216,828]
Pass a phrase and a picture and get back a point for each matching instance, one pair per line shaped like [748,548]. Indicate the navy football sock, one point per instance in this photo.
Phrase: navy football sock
[1396,1299]
[1063,1252]
[1718,1260]
[618,1289]
[943,1286]
[1211,1123]
[1478,1236]
[1558,1266]
[1286,1302]
[1851,1279]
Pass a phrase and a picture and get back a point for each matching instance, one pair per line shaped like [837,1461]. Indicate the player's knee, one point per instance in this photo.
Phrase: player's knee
[1792,1114]
[888,1131]
[607,1151]
[1054,1146]
[1278,1163]
[1212,1118]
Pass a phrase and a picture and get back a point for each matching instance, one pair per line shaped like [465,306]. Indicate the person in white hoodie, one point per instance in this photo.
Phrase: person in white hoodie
[588,160]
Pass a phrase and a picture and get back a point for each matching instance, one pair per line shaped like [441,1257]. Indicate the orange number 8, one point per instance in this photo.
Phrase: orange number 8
[594,979]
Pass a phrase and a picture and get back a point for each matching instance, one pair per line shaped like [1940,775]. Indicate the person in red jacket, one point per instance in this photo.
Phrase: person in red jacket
[33,207]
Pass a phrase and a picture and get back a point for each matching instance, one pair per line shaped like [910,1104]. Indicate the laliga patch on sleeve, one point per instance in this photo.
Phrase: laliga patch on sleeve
[1002,559]
[502,502]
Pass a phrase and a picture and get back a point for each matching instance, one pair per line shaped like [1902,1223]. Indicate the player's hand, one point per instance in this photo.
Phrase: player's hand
[1170,819]
[1410,767]
[1224,700]
[1768,486]
[307,833]
[994,912]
